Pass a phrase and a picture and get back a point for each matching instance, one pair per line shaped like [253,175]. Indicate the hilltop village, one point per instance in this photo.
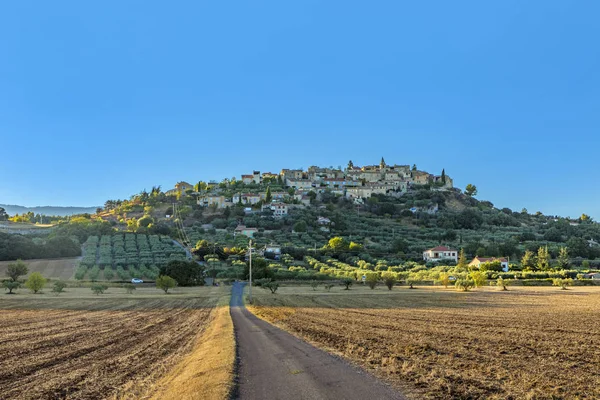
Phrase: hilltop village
[354,183]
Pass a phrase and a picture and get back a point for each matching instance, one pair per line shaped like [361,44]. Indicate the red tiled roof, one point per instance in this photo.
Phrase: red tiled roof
[440,248]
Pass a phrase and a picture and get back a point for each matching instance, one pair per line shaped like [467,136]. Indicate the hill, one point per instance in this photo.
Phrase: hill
[48,210]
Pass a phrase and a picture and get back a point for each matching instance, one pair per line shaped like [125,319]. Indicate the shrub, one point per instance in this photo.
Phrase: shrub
[129,287]
[347,282]
[464,284]
[479,278]
[165,283]
[99,289]
[411,283]
[562,283]
[314,285]
[329,286]
[503,283]
[59,287]
[444,279]
[389,279]
[35,282]
[371,279]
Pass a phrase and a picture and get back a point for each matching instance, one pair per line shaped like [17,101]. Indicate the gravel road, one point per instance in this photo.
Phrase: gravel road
[274,364]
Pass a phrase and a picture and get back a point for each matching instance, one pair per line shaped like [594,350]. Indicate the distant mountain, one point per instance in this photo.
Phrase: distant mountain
[47,210]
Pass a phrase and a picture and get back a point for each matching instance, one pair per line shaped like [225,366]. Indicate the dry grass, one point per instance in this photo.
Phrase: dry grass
[98,347]
[57,268]
[528,343]
[206,373]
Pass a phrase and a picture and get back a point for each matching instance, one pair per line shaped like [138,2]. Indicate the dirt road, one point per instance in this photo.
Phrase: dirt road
[276,365]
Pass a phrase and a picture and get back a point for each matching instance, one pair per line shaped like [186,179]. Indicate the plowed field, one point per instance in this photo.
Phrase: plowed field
[442,344]
[118,349]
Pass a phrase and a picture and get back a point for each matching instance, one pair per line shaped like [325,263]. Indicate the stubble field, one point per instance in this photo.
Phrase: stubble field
[81,346]
[528,343]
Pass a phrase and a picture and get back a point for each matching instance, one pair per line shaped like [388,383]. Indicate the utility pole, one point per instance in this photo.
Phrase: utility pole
[250,275]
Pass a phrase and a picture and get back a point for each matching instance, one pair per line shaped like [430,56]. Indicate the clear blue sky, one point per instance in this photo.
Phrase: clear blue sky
[102,100]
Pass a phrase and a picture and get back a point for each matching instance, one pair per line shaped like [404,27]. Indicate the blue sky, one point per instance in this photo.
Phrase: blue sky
[101,100]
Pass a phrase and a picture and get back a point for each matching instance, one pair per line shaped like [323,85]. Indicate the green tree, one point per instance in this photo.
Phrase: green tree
[145,221]
[185,273]
[471,190]
[314,285]
[464,284]
[562,282]
[350,164]
[414,167]
[444,176]
[479,278]
[389,279]
[99,288]
[337,244]
[268,195]
[462,260]
[35,282]
[129,288]
[528,261]
[300,226]
[347,282]
[59,287]
[444,279]
[563,258]
[165,283]
[543,259]
[11,285]
[371,279]
[16,269]
[272,286]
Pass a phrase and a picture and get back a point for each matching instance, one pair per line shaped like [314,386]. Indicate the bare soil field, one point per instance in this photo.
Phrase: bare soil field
[57,268]
[527,343]
[81,346]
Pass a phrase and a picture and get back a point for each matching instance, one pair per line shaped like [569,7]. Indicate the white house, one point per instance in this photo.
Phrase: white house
[214,200]
[440,253]
[477,261]
[280,210]
[246,198]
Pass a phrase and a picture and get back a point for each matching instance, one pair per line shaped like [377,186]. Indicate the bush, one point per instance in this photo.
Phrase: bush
[329,286]
[479,278]
[35,282]
[503,283]
[371,279]
[94,273]
[165,283]
[185,273]
[99,289]
[314,285]
[129,287]
[59,287]
[389,279]
[562,283]
[109,274]
[464,284]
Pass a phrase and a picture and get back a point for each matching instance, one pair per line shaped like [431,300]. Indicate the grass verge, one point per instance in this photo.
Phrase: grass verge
[207,372]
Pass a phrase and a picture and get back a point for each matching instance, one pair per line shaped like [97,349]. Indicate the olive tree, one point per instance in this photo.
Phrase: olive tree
[35,282]
[165,283]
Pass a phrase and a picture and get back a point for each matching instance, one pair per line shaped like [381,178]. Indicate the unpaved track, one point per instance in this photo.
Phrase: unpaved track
[276,365]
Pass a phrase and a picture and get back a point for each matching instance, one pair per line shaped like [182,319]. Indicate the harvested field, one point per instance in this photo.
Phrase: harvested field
[527,343]
[57,268]
[95,348]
